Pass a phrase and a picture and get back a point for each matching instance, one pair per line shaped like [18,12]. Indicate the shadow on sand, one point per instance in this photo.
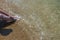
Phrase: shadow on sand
[3,31]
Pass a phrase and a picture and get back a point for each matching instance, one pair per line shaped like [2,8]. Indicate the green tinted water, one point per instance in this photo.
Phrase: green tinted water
[40,19]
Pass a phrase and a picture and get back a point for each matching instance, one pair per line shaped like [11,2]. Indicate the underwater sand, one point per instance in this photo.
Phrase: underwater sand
[39,19]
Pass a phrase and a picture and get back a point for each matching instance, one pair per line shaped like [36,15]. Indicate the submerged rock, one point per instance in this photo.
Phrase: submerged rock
[6,19]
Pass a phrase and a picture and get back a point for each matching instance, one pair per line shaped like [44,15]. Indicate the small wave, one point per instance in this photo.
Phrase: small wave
[17,17]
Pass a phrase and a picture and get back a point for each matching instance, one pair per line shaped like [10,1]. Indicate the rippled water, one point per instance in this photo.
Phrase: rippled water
[39,19]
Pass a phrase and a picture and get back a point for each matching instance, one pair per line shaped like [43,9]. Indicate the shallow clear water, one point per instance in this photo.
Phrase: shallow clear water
[39,19]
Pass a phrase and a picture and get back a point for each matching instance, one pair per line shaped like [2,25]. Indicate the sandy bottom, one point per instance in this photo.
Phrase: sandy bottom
[39,20]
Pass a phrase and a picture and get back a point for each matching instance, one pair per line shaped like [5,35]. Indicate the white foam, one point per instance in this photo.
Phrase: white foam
[17,17]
